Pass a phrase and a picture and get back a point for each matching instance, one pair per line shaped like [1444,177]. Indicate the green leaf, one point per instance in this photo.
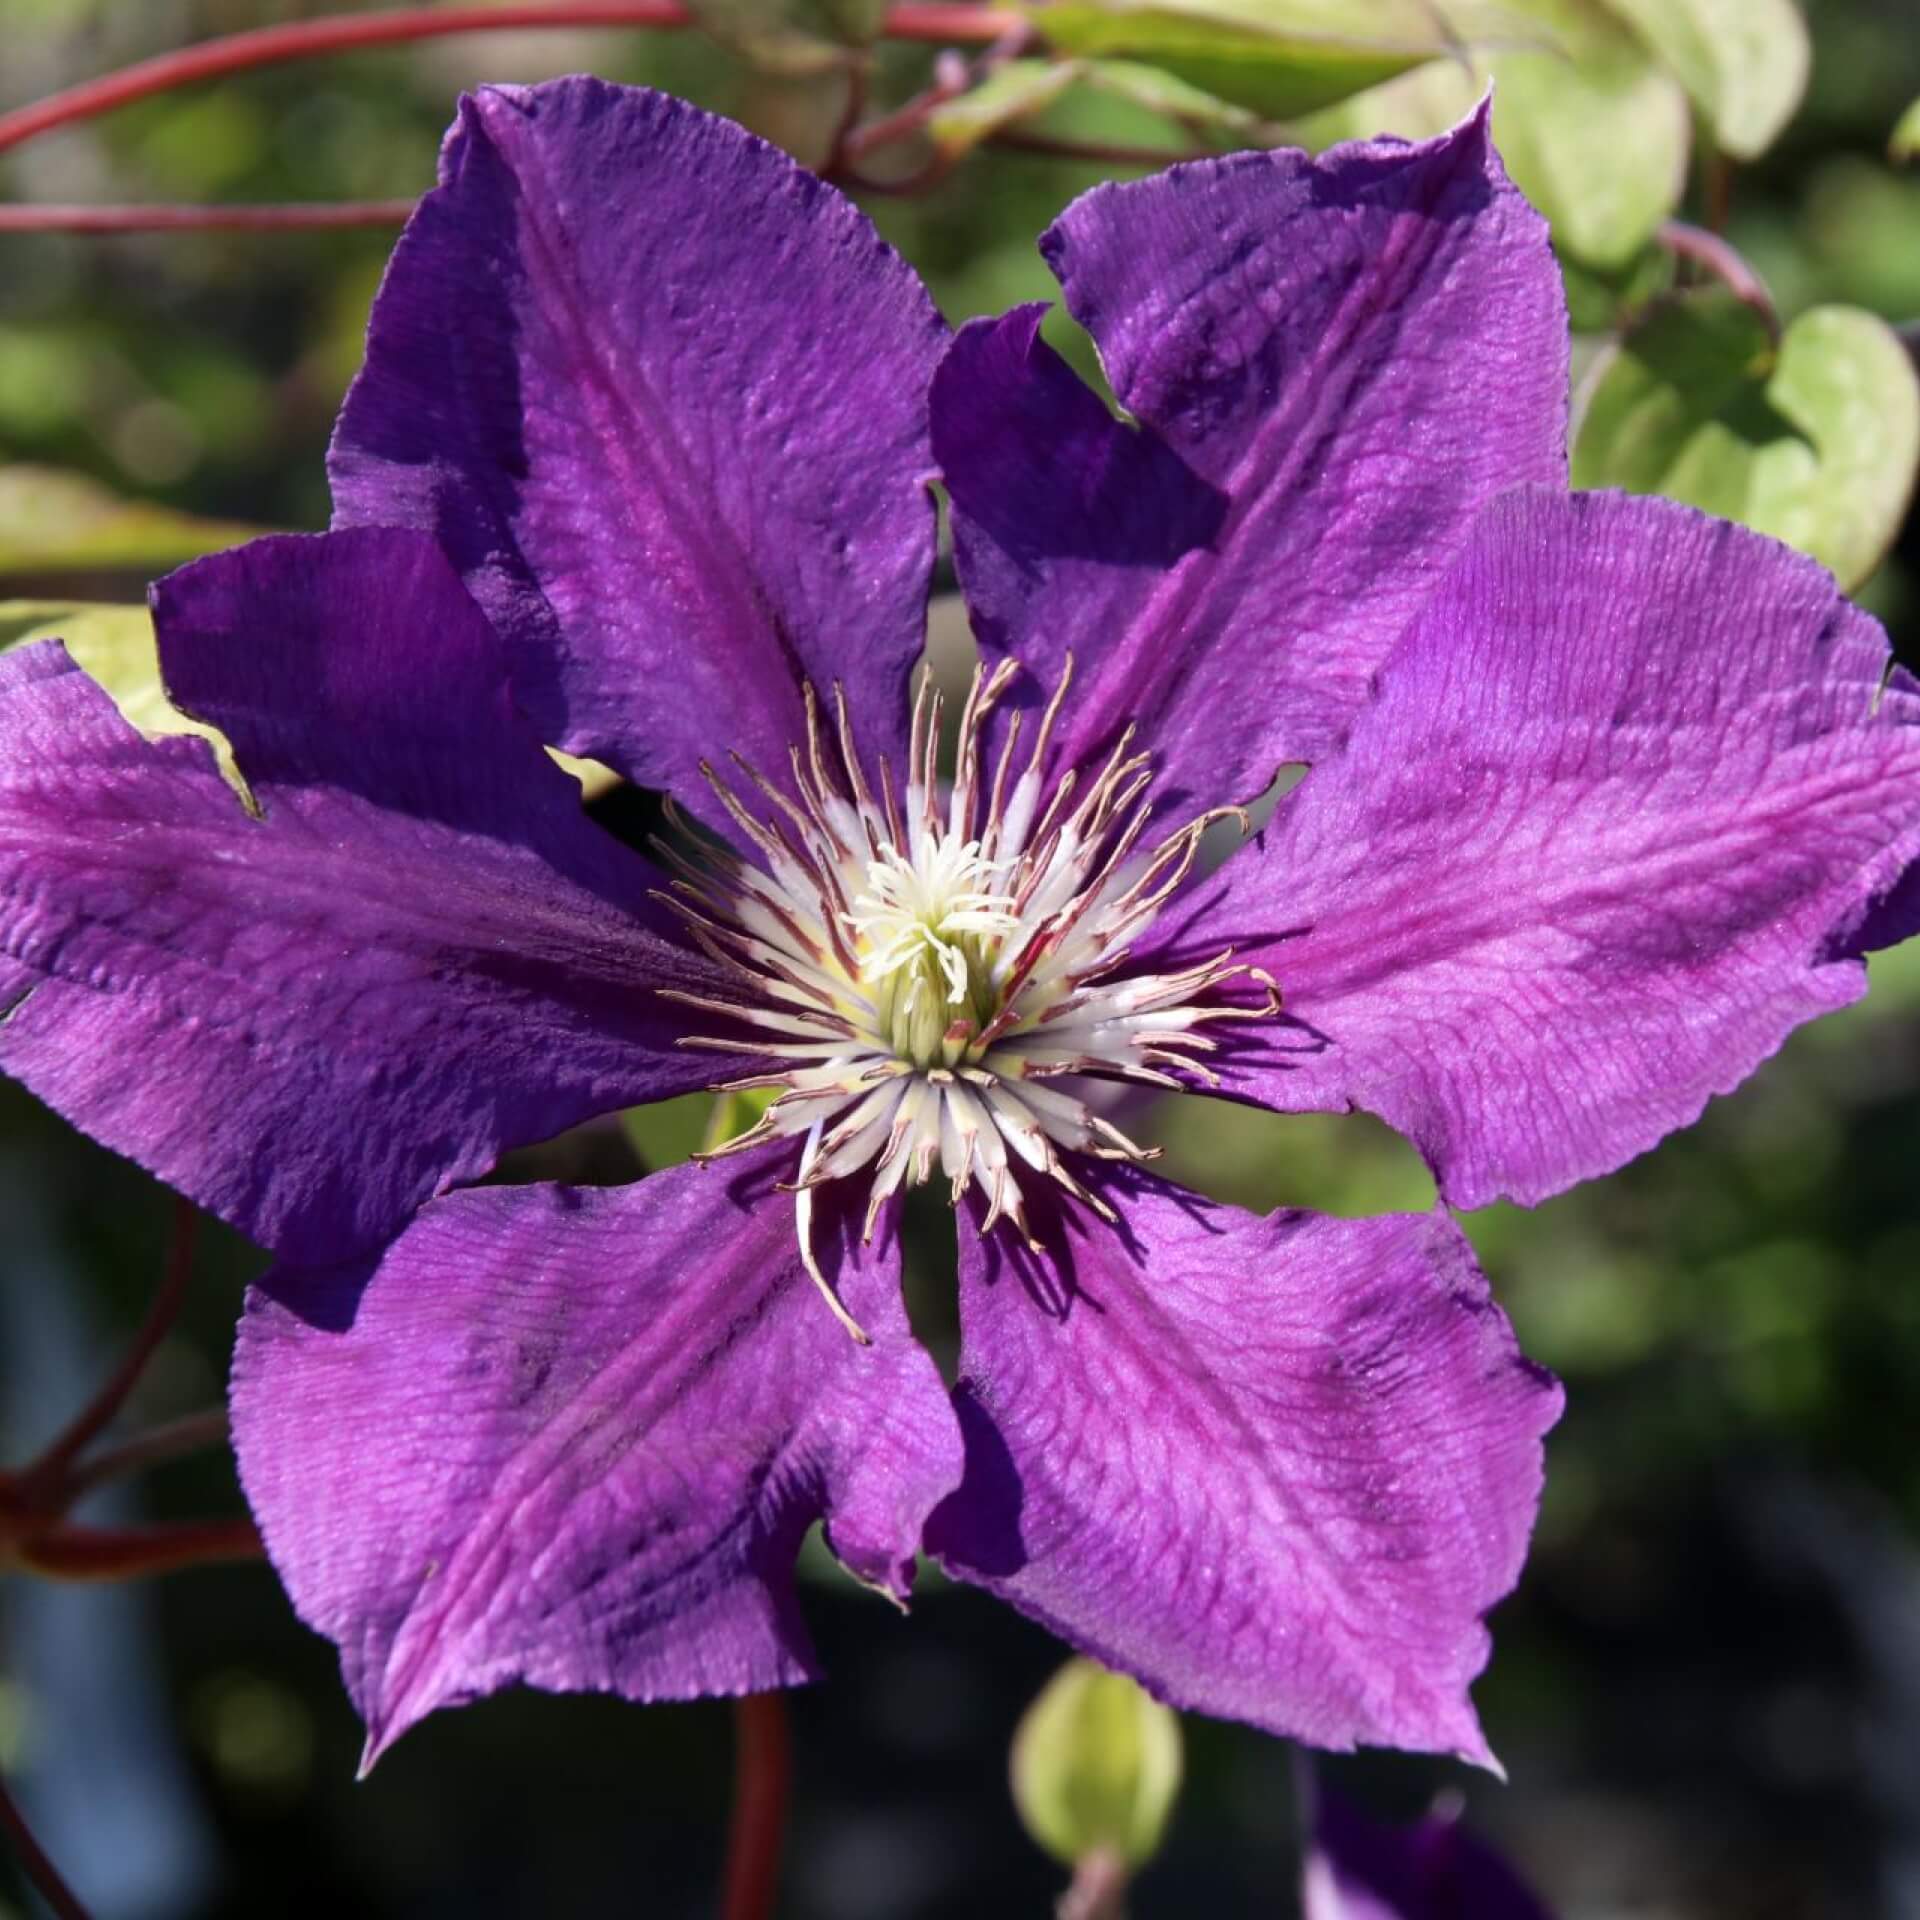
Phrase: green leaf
[1815,441]
[1009,94]
[1096,1766]
[1167,95]
[791,36]
[1744,62]
[1279,58]
[52,521]
[1594,131]
[1905,143]
[114,645]
[1610,299]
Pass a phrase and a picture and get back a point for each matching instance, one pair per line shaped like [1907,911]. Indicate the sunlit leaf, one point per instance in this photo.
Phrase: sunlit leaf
[791,36]
[593,777]
[1905,144]
[52,521]
[1815,441]
[114,645]
[1593,129]
[1280,58]
[669,1131]
[1167,95]
[1745,62]
[1008,95]
[1096,1766]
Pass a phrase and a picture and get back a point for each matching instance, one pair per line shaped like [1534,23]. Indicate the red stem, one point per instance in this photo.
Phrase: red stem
[350,33]
[34,1863]
[762,1787]
[92,1419]
[127,1553]
[168,1441]
[299,217]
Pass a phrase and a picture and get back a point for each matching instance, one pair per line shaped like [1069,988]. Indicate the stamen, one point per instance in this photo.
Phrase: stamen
[926,990]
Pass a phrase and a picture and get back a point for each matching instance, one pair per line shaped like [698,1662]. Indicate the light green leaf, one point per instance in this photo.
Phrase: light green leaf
[1609,299]
[1166,94]
[1096,1766]
[1815,442]
[1593,130]
[1009,94]
[1280,58]
[114,646]
[1905,143]
[791,36]
[53,521]
[1745,62]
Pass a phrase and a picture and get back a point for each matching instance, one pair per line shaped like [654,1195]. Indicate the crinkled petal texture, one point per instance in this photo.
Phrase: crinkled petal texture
[1333,361]
[574,1438]
[1277,1469]
[662,395]
[1631,799]
[420,952]
[1359,1869]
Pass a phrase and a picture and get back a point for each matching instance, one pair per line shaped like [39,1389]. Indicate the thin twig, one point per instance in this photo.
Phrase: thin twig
[168,1441]
[128,1553]
[97,1414]
[298,217]
[351,33]
[34,1863]
[762,1787]
[1099,1890]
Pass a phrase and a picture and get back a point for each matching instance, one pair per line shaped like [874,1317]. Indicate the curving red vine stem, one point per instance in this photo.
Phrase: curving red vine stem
[999,32]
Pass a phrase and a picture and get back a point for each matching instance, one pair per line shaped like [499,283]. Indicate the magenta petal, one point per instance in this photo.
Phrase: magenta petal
[1333,361]
[420,953]
[1635,791]
[662,395]
[1278,1469]
[573,1438]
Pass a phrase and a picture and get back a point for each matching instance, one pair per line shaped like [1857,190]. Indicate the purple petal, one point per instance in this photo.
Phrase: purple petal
[421,953]
[662,395]
[573,1438]
[1277,1469]
[1334,363]
[1359,1869]
[1615,825]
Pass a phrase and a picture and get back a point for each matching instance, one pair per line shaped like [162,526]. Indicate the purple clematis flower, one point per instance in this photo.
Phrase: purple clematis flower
[1359,1869]
[1606,798]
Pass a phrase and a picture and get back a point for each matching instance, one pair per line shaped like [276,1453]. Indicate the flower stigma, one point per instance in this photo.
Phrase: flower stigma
[941,984]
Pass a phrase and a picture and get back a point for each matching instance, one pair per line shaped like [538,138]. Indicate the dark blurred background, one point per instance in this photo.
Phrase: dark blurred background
[1707,1690]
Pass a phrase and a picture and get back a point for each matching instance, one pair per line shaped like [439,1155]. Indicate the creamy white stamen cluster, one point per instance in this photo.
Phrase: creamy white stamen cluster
[940,984]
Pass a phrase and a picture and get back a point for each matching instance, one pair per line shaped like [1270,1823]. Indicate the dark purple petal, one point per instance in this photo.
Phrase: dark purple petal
[573,1438]
[1333,362]
[1359,1869]
[1278,1469]
[420,953]
[662,395]
[1615,825]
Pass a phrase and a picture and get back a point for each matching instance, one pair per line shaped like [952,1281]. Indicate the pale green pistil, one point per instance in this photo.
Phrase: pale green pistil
[929,929]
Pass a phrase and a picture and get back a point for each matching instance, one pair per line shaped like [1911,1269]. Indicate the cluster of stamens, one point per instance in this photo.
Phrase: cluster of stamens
[938,985]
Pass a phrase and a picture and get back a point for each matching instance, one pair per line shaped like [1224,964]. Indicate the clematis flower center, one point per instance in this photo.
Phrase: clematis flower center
[942,982]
